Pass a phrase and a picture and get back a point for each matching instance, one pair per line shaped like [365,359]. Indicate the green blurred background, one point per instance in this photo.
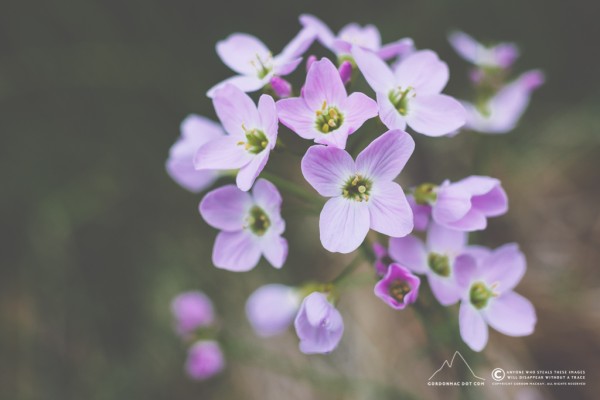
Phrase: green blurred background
[96,239]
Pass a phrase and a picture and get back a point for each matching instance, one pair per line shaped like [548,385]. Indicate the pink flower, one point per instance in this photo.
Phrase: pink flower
[487,282]
[250,224]
[325,113]
[192,310]
[254,62]
[318,325]
[398,288]
[195,131]
[271,308]
[410,94]
[363,194]
[205,359]
[502,55]
[503,111]
[382,259]
[366,37]
[252,135]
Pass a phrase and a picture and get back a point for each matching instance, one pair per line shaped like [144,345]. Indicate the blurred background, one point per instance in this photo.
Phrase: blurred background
[96,238]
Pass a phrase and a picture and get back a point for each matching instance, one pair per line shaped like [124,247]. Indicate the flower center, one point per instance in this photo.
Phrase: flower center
[439,264]
[263,67]
[328,118]
[258,221]
[480,294]
[357,188]
[399,289]
[399,98]
[256,140]
[425,194]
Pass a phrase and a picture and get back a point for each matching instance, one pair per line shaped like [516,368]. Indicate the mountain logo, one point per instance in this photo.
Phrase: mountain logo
[449,365]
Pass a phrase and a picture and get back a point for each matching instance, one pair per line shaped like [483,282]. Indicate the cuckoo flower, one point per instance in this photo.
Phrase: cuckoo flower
[252,135]
[363,194]
[487,284]
[191,310]
[318,325]
[271,308]
[436,259]
[205,359]
[254,62]
[398,288]
[502,55]
[421,213]
[366,37]
[410,94]
[325,113]
[195,131]
[382,259]
[250,224]
[502,112]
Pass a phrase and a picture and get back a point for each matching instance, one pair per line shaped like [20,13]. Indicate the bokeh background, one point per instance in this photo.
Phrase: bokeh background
[96,239]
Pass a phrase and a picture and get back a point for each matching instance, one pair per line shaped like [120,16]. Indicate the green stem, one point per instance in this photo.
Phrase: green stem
[291,188]
[348,270]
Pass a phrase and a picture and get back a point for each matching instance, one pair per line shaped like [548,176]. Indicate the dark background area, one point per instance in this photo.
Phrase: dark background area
[96,238]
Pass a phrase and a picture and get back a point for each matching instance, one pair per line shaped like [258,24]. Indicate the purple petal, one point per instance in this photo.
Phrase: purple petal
[452,204]
[337,138]
[389,211]
[386,156]
[345,70]
[399,47]
[505,267]
[239,50]
[367,37]
[236,251]
[266,196]
[298,45]
[324,34]
[192,310]
[246,83]
[442,240]
[281,87]
[410,252]
[376,71]
[388,113]
[493,203]
[473,328]
[318,324]
[505,54]
[357,108]
[421,213]
[236,110]
[465,272]
[275,249]
[326,169]
[445,290]
[272,308]
[205,359]
[467,47]
[269,121]
[249,172]
[511,314]
[394,274]
[221,154]
[295,114]
[284,67]
[183,172]
[226,208]
[343,224]
[323,83]
[423,71]
[435,115]
[473,220]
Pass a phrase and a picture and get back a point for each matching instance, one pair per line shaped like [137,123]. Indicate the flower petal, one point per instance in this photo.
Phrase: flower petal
[435,115]
[236,251]
[424,72]
[473,328]
[295,114]
[269,122]
[343,224]
[444,290]
[465,272]
[410,252]
[324,34]
[275,249]
[388,113]
[473,220]
[239,50]
[236,110]
[221,154]
[493,203]
[267,196]
[225,208]
[505,266]
[375,70]
[386,156]
[389,210]
[442,240]
[246,83]
[357,108]
[467,47]
[298,45]
[249,172]
[326,169]
[511,314]
[323,83]
[284,67]
[272,308]
[397,48]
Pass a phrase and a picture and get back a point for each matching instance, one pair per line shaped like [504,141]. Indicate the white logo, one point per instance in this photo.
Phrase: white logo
[449,365]
[498,374]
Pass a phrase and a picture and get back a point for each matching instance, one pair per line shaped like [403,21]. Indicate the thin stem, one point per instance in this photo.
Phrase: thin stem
[291,188]
[348,270]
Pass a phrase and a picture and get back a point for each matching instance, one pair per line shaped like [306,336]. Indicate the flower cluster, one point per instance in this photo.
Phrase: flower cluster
[194,319]
[355,169]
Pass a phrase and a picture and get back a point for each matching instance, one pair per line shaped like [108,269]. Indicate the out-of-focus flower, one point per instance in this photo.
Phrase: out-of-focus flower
[191,310]
[250,224]
[281,87]
[195,131]
[382,259]
[252,135]
[254,62]
[363,193]
[325,113]
[345,70]
[205,360]
[271,308]
[410,94]
[398,288]
[366,37]
[421,213]
[502,55]
[502,112]
[318,325]
[487,284]
[436,259]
